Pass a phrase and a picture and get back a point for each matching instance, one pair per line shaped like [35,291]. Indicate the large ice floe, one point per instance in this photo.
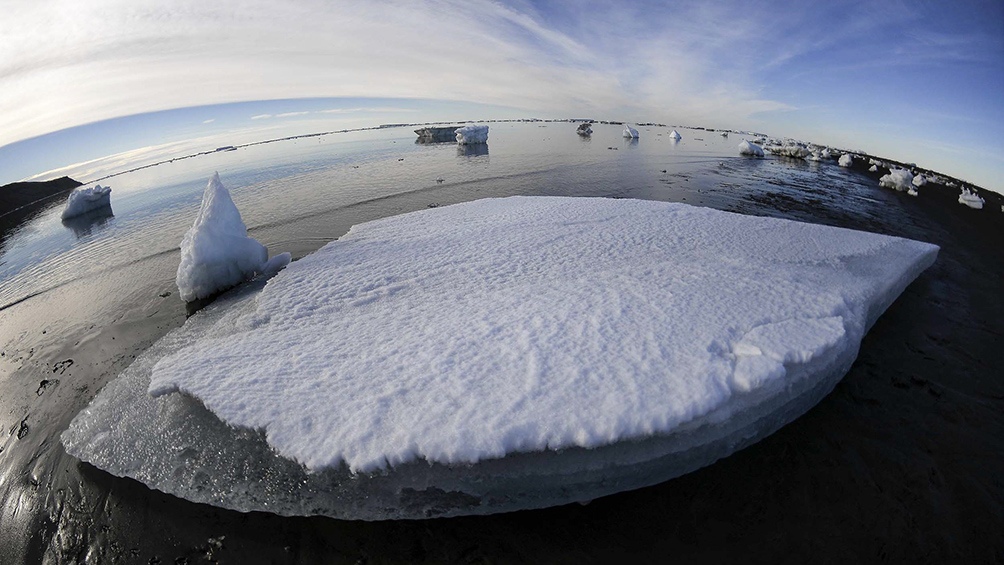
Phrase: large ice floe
[471,135]
[748,149]
[84,200]
[216,252]
[497,355]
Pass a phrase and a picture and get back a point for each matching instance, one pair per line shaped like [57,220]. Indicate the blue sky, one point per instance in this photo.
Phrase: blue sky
[913,81]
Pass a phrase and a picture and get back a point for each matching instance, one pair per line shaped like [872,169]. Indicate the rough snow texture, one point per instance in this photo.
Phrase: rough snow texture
[795,151]
[971,199]
[216,252]
[474,331]
[630,132]
[674,135]
[470,135]
[899,179]
[919,181]
[83,200]
[498,326]
[750,149]
[846,160]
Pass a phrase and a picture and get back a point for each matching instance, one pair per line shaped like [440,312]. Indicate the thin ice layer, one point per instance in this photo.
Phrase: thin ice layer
[473,331]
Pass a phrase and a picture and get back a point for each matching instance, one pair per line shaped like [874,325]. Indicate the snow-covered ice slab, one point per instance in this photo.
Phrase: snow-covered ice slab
[498,355]
[470,135]
[216,252]
[748,149]
[83,200]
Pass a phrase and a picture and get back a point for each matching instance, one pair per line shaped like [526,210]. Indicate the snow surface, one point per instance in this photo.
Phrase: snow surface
[971,199]
[83,200]
[216,252]
[470,135]
[899,179]
[750,149]
[846,160]
[673,134]
[521,327]
[630,132]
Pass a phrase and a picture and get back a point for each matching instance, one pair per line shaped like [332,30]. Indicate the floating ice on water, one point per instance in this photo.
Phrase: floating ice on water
[846,160]
[750,149]
[497,355]
[216,252]
[899,179]
[919,181]
[630,132]
[793,150]
[873,169]
[674,135]
[971,199]
[470,135]
[83,200]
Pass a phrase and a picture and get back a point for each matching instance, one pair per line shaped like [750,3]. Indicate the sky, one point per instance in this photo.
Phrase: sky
[915,81]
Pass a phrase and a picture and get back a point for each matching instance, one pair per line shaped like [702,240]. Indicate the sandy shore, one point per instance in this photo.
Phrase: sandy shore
[901,463]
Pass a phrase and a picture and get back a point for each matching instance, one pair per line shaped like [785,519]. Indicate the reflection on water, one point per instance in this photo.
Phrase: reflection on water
[472,150]
[83,224]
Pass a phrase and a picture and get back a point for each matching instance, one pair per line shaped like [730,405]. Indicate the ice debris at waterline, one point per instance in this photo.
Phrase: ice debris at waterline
[630,132]
[898,179]
[83,200]
[498,355]
[470,135]
[846,160]
[748,149]
[216,252]
[971,199]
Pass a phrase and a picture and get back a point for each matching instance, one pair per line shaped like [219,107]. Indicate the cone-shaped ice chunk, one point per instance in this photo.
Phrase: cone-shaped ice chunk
[748,149]
[971,199]
[470,135]
[83,200]
[216,252]
[497,355]
[675,135]
[630,132]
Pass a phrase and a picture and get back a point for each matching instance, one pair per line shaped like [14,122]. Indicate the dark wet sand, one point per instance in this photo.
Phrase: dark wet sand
[901,463]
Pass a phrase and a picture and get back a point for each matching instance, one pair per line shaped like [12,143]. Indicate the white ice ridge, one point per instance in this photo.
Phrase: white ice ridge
[630,132]
[971,199]
[216,252]
[846,160]
[83,200]
[673,134]
[748,149]
[470,332]
[470,135]
[899,179]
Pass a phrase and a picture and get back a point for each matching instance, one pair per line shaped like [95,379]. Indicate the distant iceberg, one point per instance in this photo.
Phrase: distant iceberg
[497,355]
[584,129]
[846,160]
[971,199]
[899,179]
[750,149]
[470,135]
[216,252]
[873,169]
[674,135]
[83,200]
[630,132]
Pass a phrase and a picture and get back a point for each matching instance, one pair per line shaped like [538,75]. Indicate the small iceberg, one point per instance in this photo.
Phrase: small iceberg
[630,132]
[846,160]
[675,135]
[873,169]
[919,181]
[748,149]
[584,129]
[898,179]
[971,199]
[471,135]
[793,150]
[497,355]
[83,200]
[216,252]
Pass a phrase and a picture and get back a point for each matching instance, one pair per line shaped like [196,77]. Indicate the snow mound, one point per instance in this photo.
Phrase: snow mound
[846,160]
[971,199]
[83,200]
[899,179]
[470,135]
[216,252]
[750,149]
[675,135]
[497,355]
[630,132]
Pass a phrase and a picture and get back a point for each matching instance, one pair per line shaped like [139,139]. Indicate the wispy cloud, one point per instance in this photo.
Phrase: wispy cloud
[261,117]
[209,121]
[291,114]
